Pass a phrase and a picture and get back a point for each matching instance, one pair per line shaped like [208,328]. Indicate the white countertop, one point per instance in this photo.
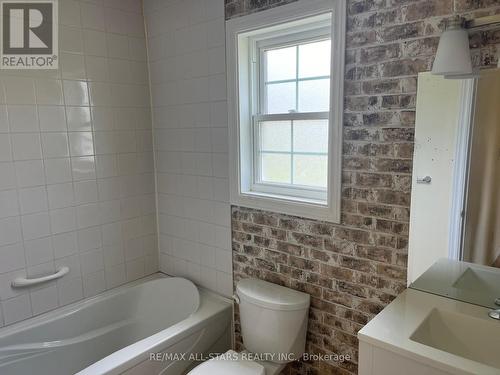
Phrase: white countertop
[393,327]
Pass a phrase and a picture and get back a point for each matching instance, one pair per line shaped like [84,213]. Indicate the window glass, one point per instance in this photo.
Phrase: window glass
[296,85]
[310,170]
[314,95]
[281,64]
[310,136]
[276,136]
[314,59]
[276,168]
[281,97]
[297,78]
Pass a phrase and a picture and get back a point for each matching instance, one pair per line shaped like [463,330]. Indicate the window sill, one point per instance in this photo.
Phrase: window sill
[295,206]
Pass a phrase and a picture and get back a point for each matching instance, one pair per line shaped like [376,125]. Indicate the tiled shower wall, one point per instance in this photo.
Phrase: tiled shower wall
[188,85]
[354,269]
[76,163]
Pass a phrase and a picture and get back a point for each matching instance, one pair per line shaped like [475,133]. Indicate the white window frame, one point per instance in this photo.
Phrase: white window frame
[275,24]
[258,48]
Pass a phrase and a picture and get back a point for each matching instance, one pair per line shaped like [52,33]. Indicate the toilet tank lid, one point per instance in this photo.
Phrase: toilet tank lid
[272,296]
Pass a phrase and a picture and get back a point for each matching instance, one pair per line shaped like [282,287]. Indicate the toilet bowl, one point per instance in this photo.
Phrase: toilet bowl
[273,322]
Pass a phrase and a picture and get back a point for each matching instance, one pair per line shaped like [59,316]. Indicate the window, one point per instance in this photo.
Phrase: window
[291,120]
[285,108]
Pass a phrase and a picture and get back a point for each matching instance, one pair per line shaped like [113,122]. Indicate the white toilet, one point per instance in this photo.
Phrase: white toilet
[273,326]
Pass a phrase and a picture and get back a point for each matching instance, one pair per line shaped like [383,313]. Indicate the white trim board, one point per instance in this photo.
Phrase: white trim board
[461,168]
[237,110]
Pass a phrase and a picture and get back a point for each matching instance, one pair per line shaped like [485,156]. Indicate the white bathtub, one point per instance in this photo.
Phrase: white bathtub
[116,332]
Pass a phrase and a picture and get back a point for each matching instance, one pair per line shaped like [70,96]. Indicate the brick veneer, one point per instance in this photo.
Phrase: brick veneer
[354,269]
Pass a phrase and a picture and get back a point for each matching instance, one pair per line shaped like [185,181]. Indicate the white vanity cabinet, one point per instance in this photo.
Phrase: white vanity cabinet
[374,360]
[424,334]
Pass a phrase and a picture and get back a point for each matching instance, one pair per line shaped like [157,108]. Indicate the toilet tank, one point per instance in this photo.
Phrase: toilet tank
[273,320]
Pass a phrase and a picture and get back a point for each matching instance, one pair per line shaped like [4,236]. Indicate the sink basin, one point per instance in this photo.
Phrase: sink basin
[461,335]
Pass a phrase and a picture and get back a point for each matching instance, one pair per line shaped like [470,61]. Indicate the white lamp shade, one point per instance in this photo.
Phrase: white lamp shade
[453,54]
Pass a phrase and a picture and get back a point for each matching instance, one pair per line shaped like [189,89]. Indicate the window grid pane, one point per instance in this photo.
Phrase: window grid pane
[276,103]
[281,64]
[310,170]
[315,58]
[275,168]
[273,162]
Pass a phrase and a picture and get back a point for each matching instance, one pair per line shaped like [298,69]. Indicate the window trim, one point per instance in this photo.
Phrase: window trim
[239,32]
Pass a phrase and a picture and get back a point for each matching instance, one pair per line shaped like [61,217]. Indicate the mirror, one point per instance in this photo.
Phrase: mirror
[454,244]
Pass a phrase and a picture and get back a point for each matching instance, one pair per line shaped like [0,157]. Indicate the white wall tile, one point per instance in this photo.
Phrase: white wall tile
[39,251]
[224,283]
[72,66]
[188,85]
[58,170]
[94,283]
[52,118]
[55,145]
[70,13]
[75,93]
[78,119]
[23,118]
[117,45]
[16,309]
[65,244]
[115,275]
[48,92]
[94,43]
[83,168]
[89,239]
[70,39]
[8,203]
[8,173]
[26,146]
[73,263]
[63,220]
[29,173]
[86,192]
[35,225]
[92,16]
[92,261]
[4,120]
[44,299]
[97,68]
[11,256]
[19,90]
[32,200]
[6,290]
[134,269]
[81,144]
[69,290]
[60,195]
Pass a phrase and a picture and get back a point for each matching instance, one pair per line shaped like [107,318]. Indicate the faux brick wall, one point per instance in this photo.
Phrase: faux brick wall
[354,269]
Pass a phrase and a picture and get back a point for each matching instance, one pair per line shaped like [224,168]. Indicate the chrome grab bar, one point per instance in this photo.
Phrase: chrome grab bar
[21,282]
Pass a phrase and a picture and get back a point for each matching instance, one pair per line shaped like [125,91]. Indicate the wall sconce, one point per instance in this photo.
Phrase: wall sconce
[453,53]
[453,58]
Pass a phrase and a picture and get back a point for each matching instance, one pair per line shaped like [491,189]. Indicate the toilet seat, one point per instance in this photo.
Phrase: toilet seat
[224,366]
